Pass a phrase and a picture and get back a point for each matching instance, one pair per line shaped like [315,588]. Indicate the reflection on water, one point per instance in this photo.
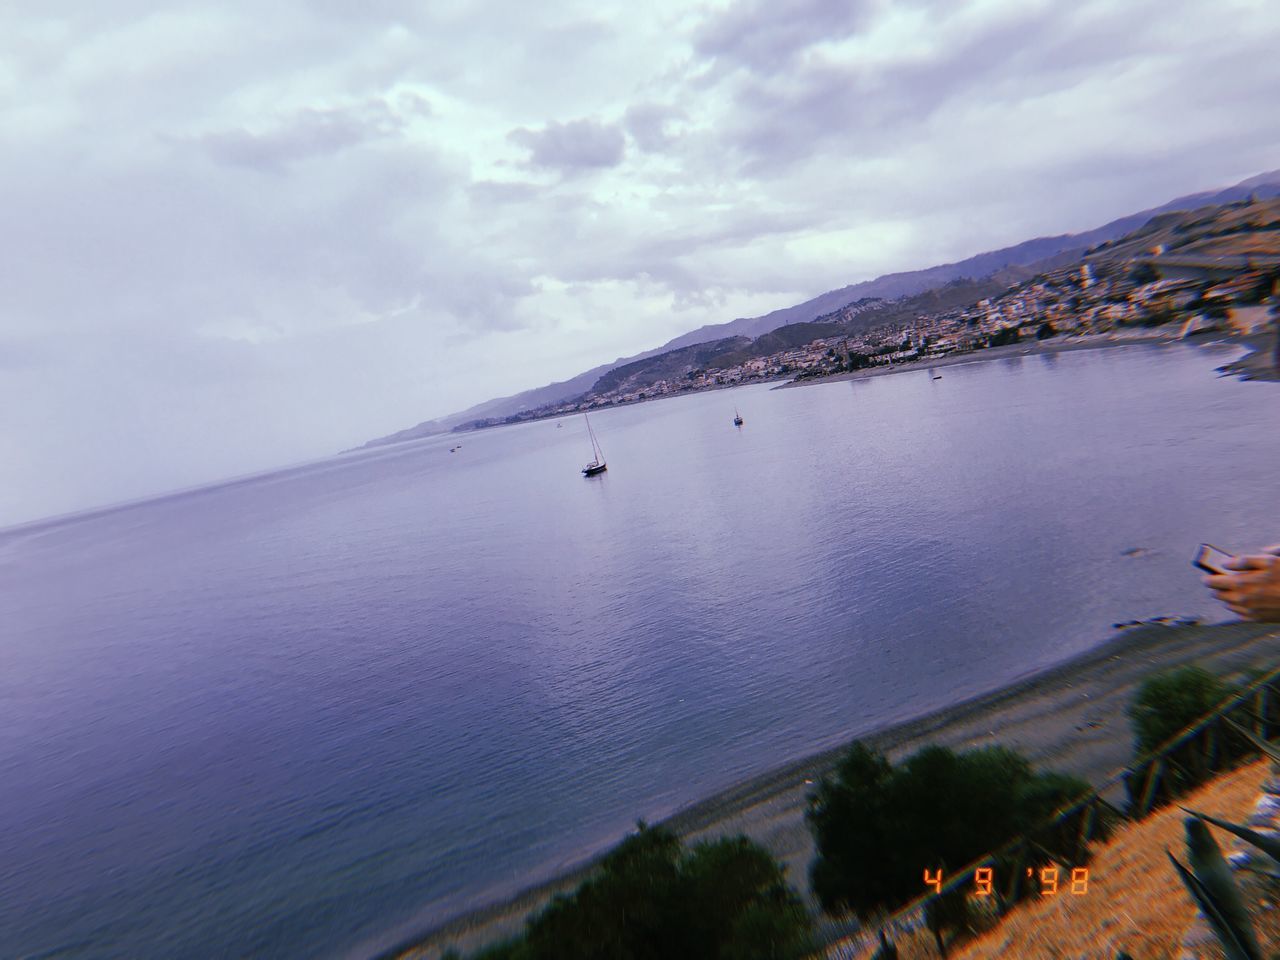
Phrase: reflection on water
[287,717]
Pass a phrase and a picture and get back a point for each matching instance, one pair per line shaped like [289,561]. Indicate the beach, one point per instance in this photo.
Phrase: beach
[1070,717]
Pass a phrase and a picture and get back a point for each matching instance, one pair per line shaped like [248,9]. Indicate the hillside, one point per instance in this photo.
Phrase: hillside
[1211,231]
[866,315]
[641,373]
[1011,263]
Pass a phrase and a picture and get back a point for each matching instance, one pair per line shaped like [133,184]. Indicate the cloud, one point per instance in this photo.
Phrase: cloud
[310,132]
[909,74]
[576,145]
[328,221]
[502,192]
[647,124]
[767,35]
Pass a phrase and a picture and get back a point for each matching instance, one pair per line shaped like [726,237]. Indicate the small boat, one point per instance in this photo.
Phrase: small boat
[737,417]
[935,374]
[597,465]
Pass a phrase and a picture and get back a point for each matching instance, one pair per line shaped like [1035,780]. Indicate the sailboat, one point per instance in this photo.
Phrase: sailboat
[737,417]
[935,374]
[597,465]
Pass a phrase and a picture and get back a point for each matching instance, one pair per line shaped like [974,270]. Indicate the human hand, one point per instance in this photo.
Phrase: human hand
[1252,589]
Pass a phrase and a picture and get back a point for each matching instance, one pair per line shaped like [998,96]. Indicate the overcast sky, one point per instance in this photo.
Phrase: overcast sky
[238,234]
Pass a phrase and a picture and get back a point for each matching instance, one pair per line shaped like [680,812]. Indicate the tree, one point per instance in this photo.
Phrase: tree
[651,899]
[1046,331]
[878,827]
[1003,336]
[738,903]
[858,361]
[1169,702]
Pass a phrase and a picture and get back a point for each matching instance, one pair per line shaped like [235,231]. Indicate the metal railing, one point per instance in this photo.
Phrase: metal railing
[1211,745]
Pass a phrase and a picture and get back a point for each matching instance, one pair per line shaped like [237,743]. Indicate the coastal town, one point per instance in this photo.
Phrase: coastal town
[1204,273]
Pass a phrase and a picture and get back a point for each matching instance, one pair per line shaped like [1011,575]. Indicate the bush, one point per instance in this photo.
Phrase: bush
[1170,702]
[653,899]
[878,827]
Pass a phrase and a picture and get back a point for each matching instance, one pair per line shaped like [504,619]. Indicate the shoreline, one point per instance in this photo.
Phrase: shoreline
[1068,716]
[1253,366]
[1032,348]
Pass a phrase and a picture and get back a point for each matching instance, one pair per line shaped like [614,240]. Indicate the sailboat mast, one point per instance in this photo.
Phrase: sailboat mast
[595,446]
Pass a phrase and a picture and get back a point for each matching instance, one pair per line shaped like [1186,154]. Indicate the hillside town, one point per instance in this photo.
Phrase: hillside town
[1225,281]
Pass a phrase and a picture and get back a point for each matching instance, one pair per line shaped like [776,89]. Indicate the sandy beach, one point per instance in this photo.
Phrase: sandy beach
[1070,717]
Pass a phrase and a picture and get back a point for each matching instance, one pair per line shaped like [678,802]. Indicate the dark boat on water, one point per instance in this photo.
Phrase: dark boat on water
[597,465]
[737,417]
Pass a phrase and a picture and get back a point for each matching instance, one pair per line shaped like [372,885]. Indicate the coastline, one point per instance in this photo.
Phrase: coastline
[1254,366]
[1260,362]
[1069,716]
[1057,344]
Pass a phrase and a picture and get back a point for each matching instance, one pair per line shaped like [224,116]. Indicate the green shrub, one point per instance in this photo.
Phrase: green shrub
[1169,702]
[652,898]
[878,827]
[513,949]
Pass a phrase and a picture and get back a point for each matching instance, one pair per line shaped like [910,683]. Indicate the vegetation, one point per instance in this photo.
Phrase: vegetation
[1169,702]
[653,899]
[880,830]
[1003,337]
[878,827]
[1133,904]
[1214,890]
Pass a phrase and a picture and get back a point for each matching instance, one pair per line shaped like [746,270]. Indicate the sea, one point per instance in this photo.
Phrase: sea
[309,713]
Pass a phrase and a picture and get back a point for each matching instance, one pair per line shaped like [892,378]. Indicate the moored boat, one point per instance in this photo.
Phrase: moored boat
[597,464]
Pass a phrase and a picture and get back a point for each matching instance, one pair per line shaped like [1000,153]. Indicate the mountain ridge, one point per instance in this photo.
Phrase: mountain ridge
[887,287]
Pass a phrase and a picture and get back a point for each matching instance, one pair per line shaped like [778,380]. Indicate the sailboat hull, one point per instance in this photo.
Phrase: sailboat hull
[591,469]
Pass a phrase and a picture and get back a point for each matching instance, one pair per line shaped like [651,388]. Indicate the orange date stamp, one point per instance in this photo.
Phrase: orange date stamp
[1052,881]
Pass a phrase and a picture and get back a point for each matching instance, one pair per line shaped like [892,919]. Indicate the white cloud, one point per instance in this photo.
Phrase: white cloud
[238,234]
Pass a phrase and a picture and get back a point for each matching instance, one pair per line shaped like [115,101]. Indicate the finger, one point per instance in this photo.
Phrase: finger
[1244,613]
[1250,562]
[1221,581]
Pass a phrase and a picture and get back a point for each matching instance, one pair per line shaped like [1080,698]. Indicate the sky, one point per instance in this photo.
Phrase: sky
[236,234]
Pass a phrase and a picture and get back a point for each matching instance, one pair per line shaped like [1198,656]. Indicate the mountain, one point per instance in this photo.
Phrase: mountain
[894,285]
[1041,251]
[502,406]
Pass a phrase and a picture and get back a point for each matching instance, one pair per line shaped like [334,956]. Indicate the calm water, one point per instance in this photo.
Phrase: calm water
[305,715]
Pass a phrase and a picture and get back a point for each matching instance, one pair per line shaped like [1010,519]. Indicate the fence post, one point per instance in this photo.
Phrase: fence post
[1149,789]
[1086,830]
[1015,881]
